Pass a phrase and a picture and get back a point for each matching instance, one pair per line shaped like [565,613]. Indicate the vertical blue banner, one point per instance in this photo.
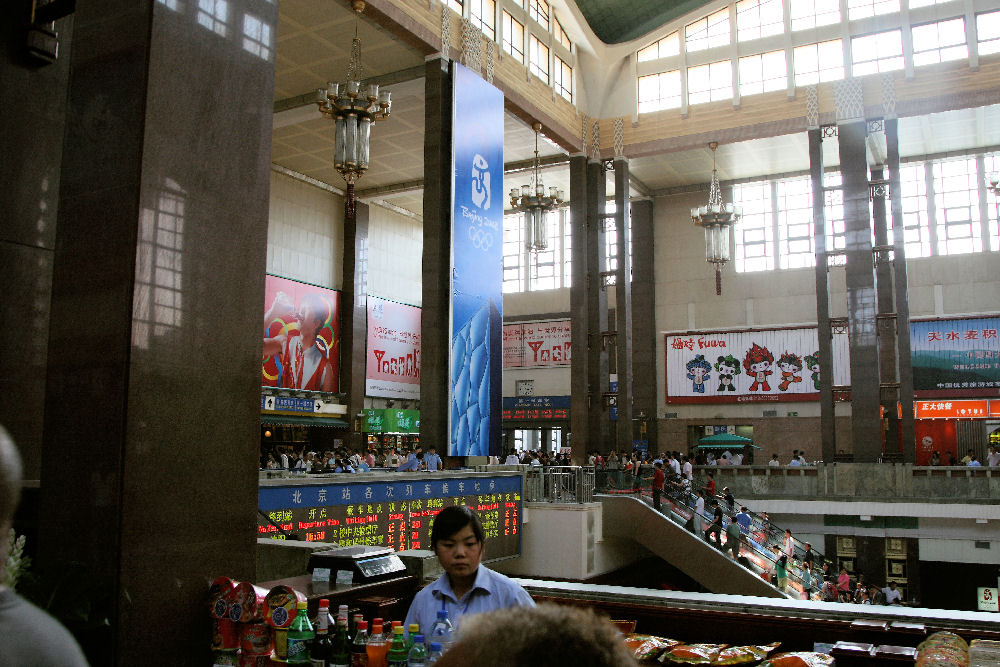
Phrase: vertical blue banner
[476,266]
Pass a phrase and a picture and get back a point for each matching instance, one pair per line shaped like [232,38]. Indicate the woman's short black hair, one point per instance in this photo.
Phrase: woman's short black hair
[452,519]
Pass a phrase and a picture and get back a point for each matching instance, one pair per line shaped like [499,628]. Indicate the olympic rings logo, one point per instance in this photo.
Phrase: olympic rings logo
[481,239]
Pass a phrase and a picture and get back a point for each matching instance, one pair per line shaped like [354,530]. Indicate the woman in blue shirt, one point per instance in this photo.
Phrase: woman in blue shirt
[466,587]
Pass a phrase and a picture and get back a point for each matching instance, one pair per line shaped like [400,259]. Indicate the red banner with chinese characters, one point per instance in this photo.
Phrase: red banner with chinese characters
[534,344]
[945,409]
[392,369]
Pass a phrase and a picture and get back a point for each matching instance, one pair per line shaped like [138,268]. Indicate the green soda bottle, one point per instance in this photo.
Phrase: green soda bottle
[300,637]
[340,651]
[398,652]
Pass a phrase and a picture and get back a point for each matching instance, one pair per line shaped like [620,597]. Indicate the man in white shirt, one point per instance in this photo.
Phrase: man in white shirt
[795,459]
[512,459]
[687,469]
[699,509]
[774,462]
[675,465]
[892,596]
[737,459]
[993,457]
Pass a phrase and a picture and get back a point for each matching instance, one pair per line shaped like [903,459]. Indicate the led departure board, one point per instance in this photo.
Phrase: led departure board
[394,514]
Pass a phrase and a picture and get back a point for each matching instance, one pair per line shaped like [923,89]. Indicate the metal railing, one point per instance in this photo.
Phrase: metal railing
[559,484]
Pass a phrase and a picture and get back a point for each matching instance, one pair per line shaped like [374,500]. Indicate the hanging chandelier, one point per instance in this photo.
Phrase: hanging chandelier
[354,109]
[716,219]
[531,200]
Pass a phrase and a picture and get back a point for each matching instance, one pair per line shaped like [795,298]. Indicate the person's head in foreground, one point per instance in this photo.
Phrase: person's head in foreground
[542,636]
[10,487]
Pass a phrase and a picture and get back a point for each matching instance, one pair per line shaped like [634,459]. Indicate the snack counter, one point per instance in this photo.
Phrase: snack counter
[854,635]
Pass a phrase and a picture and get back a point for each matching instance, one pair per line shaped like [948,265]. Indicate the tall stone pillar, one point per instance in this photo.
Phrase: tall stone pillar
[824,330]
[354,321]
[901,294]
[623,308]
[152,402]
[866,423]
[598,325]
[436,289]
[582,397]
[645,344]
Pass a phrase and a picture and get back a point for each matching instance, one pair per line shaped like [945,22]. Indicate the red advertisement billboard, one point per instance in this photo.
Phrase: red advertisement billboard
[392,367]
[534,344]
[301,336]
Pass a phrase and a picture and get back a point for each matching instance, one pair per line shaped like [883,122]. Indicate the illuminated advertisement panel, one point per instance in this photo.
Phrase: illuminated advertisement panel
[392,366]
[956,357]
[750,366]
[536,344]
[301,336]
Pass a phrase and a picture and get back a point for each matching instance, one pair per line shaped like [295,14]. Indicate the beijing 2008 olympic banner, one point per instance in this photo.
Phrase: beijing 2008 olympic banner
[750,366]
[392,366]
[955,357]
[301,336]
[477,266]
[536,344]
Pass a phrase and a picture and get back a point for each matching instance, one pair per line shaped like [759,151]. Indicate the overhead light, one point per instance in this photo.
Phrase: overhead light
[354,109]
[532,200]
[865,517]
[982,520]
[716,218]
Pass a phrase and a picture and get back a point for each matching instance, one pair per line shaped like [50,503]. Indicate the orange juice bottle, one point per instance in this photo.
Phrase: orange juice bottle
[377,648]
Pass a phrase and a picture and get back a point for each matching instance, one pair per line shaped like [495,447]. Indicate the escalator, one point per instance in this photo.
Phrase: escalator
[630,518]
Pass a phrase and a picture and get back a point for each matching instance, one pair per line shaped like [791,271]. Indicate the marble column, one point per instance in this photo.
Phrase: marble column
[598,324]
[645,343]
[354,316]
[152,414]
[33,98]
[582,397]
[901,294]
[866,423]
[436,289]
[623,309]
[828,433]
[888,394]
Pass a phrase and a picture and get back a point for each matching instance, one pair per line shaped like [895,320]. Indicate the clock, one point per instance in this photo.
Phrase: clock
[525,387]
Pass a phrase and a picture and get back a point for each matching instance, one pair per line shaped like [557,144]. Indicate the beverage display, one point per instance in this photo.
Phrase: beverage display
[300,636]
[398,653]
[417,657]
[319,650]
[359,647]
[377,648]
[340,647]
[442,630]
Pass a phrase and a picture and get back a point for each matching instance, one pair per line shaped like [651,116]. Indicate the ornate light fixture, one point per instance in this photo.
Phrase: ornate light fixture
[354,110]
[531,200]
[717,219]
[994,187]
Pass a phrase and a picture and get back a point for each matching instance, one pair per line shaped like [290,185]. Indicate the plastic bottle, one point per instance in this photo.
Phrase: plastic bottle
[411,631]
[434,651]
[392,628]
[300,636]
[322,643]
[398,651]
[442,630]
[417,656]
[359,647]
[377,648]
[340,647]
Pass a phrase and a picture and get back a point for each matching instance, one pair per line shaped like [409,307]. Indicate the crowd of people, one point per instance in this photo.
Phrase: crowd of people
[345,459]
